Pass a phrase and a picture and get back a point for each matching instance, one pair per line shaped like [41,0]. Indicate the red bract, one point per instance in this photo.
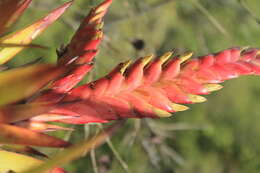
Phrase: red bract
[148,88]
[74,62]
[57,170]
[155,88]
[79,53]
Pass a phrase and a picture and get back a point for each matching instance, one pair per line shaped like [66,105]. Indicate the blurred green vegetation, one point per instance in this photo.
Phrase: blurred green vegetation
[219,136]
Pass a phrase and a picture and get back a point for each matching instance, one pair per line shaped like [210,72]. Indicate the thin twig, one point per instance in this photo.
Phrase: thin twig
[211,18]
[94,160]
[116,154]
[253,15]
[170,152]
[93,157]
[152,153]
[118,157]
[137,127]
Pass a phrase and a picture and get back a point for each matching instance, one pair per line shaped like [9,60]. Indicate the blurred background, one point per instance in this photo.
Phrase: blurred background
[219,136]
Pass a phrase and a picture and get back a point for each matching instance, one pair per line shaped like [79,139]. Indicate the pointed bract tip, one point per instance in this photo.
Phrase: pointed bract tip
[213,87]
[185,56]
[196,98]
[242,49]
[145,60]
[56,13]
[103,6]
[98,35]
[61,9]
[67,4]
[161,113]
[99,26]
[179,107]
[165,56]
[125,65]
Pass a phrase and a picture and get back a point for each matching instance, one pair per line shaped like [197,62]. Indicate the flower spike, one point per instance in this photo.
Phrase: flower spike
[82,48]
[156,88]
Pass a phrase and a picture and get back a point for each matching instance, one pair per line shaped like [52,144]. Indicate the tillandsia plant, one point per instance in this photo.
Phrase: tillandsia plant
[34,95]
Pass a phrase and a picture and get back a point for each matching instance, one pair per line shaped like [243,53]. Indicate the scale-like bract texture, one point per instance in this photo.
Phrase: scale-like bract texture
[78,55]
[156,87]
[82,48]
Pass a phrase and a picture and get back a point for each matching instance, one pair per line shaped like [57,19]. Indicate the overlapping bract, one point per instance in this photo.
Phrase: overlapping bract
[21,83]
[148,88]
[156,87]
[74,62]
[79,53]
[19,87]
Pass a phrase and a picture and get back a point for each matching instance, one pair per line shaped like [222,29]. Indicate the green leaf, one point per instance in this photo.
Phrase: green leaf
[22,82]
[26,35]
[16,162]
[75,151]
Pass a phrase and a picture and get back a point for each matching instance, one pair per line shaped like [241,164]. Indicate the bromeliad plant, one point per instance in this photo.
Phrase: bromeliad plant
[32,96]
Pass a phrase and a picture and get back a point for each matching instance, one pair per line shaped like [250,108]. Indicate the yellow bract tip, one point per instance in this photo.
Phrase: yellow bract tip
[179,107]
[145,60]
[244,48]
[102,7]
[99,25]
[124,66]
[98,35]
[185,56]
[165,56]
[196,98]
[161,113]
[212,87]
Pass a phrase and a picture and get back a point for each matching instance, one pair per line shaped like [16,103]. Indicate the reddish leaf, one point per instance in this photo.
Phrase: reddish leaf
[10,11]
[14,113]
[26,35]
[10,134]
